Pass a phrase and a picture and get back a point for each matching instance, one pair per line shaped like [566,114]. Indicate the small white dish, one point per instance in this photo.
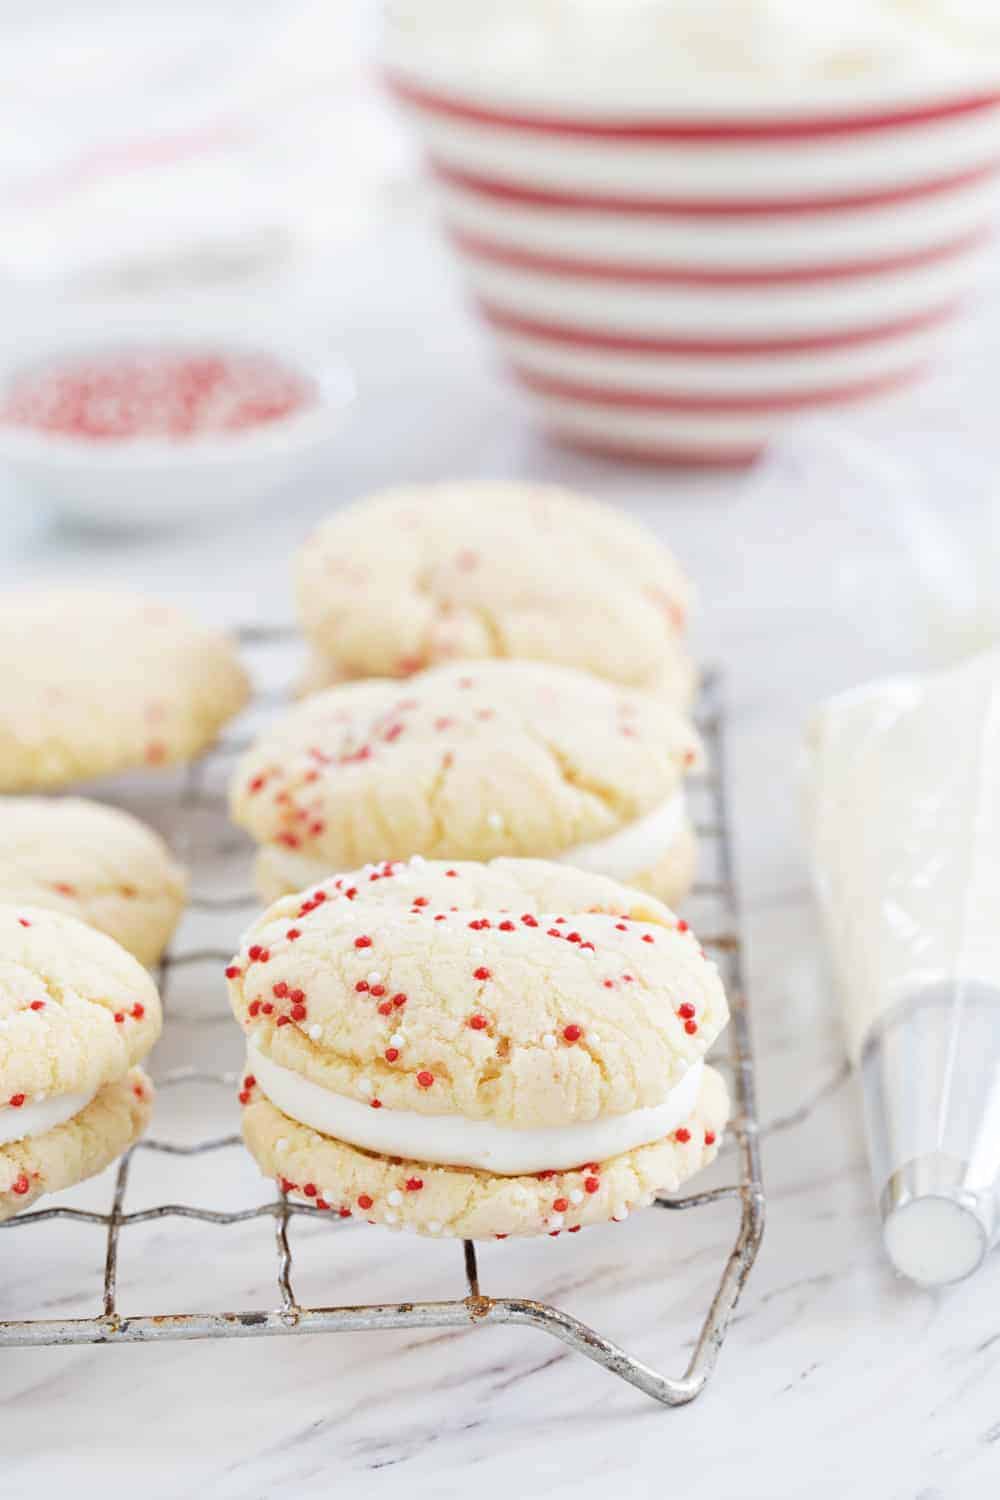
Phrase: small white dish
[138,481]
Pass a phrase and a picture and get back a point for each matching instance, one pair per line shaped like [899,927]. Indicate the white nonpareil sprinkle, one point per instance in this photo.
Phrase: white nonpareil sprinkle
[395,1197]
[495,820]
[555,1221]
[548,1040]
[594,1039]
[477,952]
[315,1032]
[365,1086]
[417,860]
[390,1217]
[281,1145]
[374,977]
[576,1196]
[40,1098]
[328,1195]
[397,1039]
[434,1226]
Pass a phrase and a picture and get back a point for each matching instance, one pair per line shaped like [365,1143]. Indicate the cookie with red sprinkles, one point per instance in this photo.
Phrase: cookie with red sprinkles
[506,1048]
[473,761]
[99,681]
[77,1014]
[424,574]
[93,862]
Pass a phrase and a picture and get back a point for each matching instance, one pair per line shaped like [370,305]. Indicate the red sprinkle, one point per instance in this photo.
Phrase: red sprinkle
[572,1033]
[478,1022]
[682,927]
[560,1205]
[391,1054]
[682,1134]
[507,927]
[365,1202]
[362,986]
[254,953]
[362,942]
[233,972]
[21,1186]
[119,1018]
[378,990]
[425,1079]
[376,1104]
[399,1001]
[298,1012]
[709,1137]
[292,934]
[690,1027]
[138,1011]
[685,1011]
[249,1081]
[253,1008]
[482,973]
[40,1005]
[280,990]
[529,920]
[648,937]
[16,1100]
[414,1184]
[591,1184]
[165,393]
[385,1009]
[310,1190]
[25,923]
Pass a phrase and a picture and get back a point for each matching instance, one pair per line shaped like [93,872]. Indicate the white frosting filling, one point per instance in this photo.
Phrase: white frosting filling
[631,851]
[634,849]
[39,1116]
[452,1141]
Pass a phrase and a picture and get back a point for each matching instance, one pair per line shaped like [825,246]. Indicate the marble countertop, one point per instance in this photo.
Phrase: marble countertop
[835,1377]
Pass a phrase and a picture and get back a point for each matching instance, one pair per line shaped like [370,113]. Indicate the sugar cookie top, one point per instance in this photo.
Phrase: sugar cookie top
[76,1010]
[466,762]
[422,574]
[97,681]
[518,991]
[93,862]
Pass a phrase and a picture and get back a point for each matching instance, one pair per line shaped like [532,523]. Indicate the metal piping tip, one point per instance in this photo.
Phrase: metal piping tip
[930,1073]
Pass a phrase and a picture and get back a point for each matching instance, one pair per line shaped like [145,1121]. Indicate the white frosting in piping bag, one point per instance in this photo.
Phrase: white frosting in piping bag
[904,822]
[450,1140]
[37,1116]
[623,855]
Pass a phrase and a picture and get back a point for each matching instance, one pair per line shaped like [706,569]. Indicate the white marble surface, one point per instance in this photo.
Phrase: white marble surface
[835,1379]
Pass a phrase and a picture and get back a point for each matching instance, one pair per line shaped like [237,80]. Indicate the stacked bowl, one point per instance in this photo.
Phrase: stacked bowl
[673,272]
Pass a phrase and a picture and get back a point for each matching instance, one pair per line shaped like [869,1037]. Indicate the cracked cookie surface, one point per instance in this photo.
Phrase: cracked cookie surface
[429,573]
[519,992]
[100,681]
[468,761]
[93,862]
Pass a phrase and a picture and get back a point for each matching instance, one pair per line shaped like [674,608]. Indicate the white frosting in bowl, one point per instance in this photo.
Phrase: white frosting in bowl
[623,855]
[450,1140]
[753,47]
[36,1116]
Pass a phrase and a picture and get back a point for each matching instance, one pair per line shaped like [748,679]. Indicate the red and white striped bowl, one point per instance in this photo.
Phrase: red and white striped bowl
[675,286]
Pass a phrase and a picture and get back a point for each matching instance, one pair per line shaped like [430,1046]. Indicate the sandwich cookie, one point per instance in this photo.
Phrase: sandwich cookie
[97,682]
[77,1014]
[95,863]
[473,761]
[431,573]
[478,1049]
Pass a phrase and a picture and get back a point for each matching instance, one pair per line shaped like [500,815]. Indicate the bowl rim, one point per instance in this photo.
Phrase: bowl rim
[676,109]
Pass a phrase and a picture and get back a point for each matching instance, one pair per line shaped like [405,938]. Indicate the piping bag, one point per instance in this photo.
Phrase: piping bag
[903,817]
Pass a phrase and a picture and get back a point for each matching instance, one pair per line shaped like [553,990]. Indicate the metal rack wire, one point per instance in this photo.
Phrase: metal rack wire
[717,924]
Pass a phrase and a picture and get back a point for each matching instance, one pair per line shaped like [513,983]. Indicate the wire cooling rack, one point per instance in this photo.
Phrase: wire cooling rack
[713,913]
